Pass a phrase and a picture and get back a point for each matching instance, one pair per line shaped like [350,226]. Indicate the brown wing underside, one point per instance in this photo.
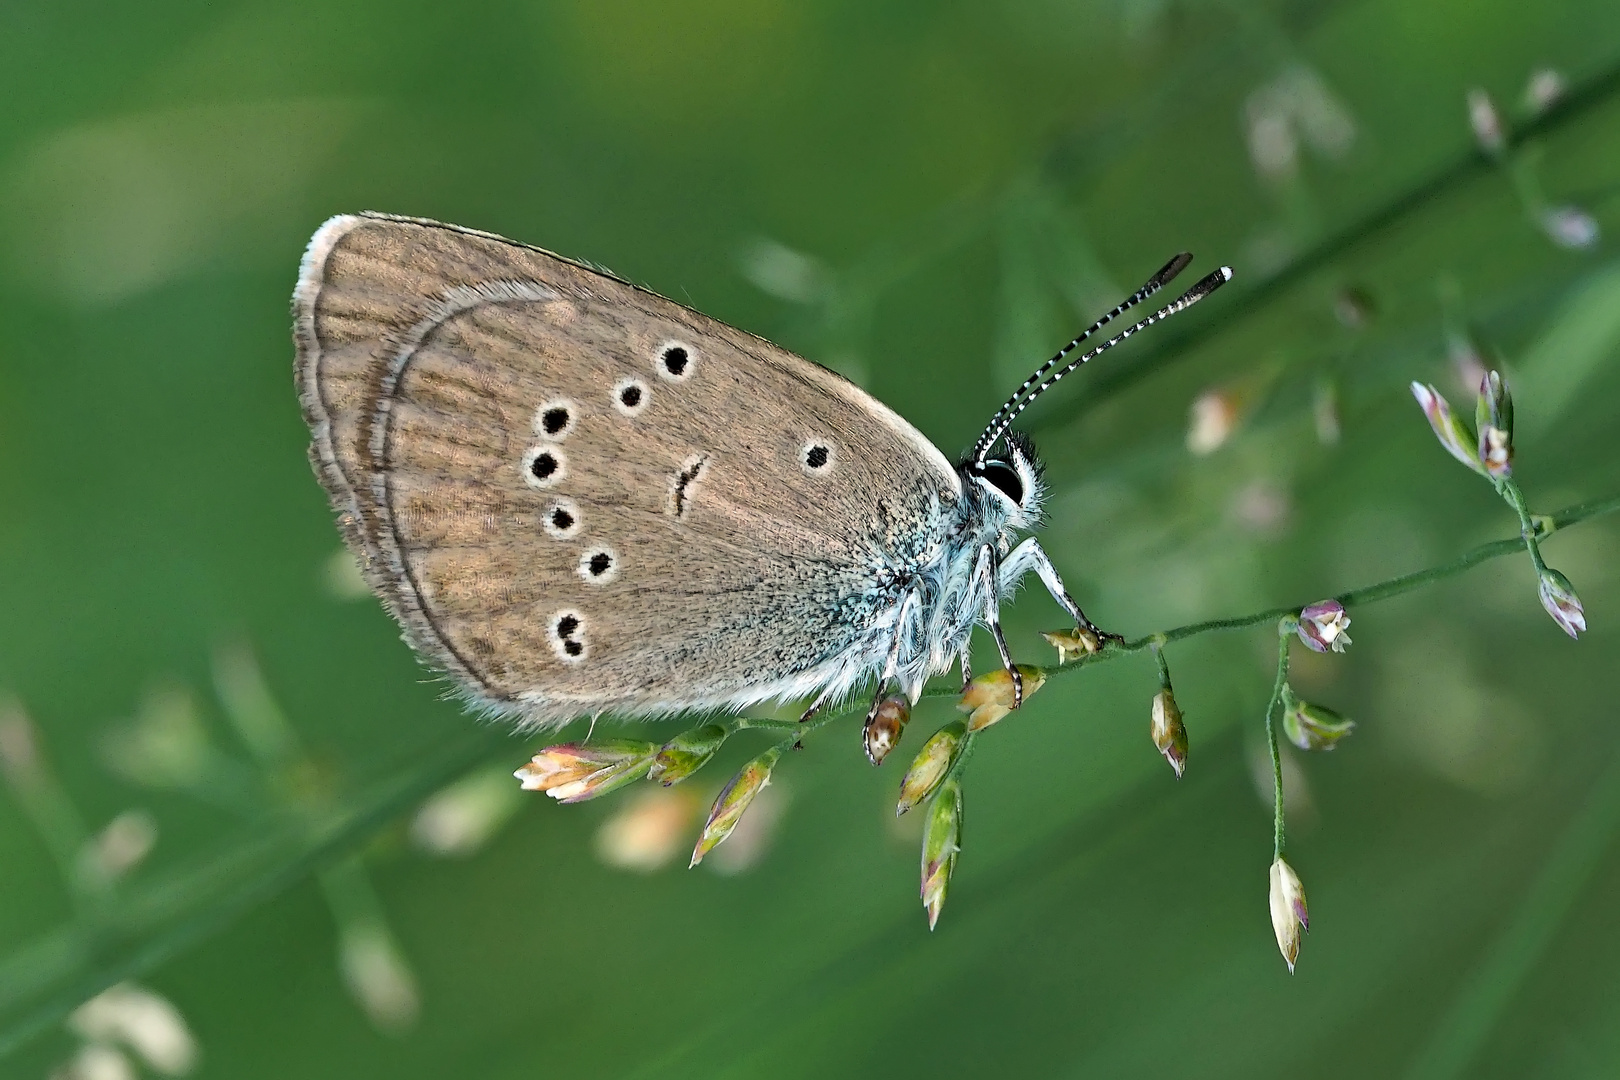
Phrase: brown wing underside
[426,358]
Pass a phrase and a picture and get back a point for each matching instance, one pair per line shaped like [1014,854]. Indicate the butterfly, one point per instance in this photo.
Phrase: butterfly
[578,497]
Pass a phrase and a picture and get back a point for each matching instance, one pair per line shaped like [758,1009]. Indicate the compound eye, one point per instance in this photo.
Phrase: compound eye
[1004,478]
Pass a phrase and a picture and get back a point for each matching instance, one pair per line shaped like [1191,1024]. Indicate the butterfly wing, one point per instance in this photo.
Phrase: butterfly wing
[577,496]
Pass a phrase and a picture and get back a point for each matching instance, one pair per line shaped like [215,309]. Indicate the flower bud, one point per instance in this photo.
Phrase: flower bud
[1324,626]
[990,697]
[1495,403]
[930,765]
[733,800]
[1288,914]
[142,1020]
[574,772]
[1570,227]
[1073,644]
[1169,734]
[1494,418]
[1211,419]
[883,730]
[1543,91]
[648,829]
[942,838]
[1486,122]
[686,753]
[1312,727]
[1558,597]
[1452,432]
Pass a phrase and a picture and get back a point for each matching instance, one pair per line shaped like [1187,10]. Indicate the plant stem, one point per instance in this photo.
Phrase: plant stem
[1155,642]
[1157,645]
[1285,630]
[1527,527]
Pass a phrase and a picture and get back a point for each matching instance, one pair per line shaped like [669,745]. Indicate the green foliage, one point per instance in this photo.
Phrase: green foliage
[919,197]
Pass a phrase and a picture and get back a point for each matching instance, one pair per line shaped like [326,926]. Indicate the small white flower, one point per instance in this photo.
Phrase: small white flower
[1486,122]
[143,1021]
[377,976]
[461,818]
[1211,419]
[1570,227]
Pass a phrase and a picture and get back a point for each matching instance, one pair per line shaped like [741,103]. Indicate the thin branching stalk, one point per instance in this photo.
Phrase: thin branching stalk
[1285,630]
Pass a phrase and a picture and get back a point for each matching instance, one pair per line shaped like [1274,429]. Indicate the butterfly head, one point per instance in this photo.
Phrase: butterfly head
[1008,483]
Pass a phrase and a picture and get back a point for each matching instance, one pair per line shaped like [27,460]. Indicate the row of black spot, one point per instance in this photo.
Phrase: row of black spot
[555,421]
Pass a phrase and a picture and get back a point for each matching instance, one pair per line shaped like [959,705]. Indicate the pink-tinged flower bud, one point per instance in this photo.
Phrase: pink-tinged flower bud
[1570,227]
[1486,122]
[1324,626]
[1312,727]
[1558,597]
[686,753]
[990,697]
[574,772]
[930,765]
[1073,644]
[733,800]
[1288,914]
[1451,431]
[1493,415]
[882,732]
[942,837]
[1169,734]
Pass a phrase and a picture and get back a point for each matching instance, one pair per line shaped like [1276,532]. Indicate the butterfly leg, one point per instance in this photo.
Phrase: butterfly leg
[892,662]
[815,706]
[1028,556]
[985,573]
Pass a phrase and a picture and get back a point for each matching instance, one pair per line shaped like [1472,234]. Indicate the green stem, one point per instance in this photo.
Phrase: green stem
[1157,645]
[1285,630]
[1367,594]
[1527,526]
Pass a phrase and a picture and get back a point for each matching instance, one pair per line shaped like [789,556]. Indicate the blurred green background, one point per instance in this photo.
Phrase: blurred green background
[218,755]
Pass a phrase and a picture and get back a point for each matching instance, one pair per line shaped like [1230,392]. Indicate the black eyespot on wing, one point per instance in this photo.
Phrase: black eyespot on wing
[630,396]
[554,420]
[817,456]
[567,637]
[561,519]
[601,563]
[675,359]
[543,465]
[1004,478]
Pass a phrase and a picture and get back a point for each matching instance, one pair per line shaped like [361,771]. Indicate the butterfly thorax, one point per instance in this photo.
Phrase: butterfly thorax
[951,589]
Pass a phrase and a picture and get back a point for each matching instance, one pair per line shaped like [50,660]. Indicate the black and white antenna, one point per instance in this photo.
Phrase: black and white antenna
[1039,382]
